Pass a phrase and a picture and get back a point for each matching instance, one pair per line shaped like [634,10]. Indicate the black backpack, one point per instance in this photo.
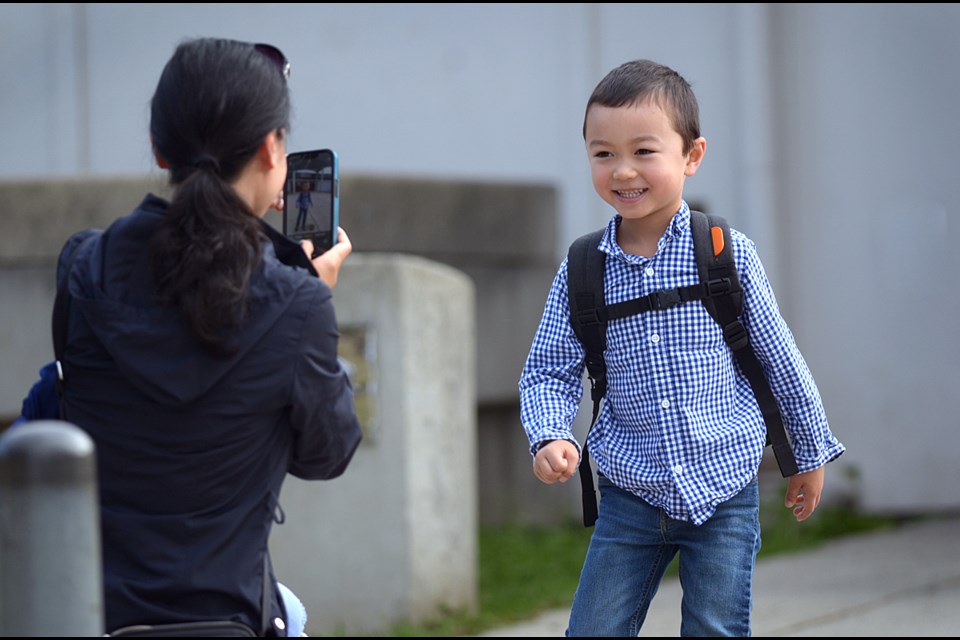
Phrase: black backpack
[720,292]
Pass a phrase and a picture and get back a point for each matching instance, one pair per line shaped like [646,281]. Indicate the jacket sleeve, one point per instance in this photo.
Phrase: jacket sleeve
[323,417]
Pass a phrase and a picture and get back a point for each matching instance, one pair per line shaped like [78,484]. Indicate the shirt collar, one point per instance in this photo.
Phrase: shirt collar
[677,227]
[680,222]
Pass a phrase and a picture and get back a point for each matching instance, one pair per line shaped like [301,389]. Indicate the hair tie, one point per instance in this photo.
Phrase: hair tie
[206,162]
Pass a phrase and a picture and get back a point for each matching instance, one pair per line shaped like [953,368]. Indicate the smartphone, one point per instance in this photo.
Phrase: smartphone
[311,198]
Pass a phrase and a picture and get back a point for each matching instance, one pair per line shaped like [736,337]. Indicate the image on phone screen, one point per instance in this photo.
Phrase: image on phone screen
[311,198]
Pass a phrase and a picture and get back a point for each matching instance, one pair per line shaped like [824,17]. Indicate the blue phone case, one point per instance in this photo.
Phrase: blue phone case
[311,209]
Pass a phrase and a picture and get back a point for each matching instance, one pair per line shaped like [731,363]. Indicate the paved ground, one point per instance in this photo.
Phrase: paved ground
[904,582]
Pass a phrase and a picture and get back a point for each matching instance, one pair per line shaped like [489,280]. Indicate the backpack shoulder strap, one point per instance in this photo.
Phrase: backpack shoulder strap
[61,304]
[585,267]
[713,248]
[585,282]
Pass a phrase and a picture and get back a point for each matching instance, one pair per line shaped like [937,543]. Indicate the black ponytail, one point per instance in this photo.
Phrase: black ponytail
[215,103]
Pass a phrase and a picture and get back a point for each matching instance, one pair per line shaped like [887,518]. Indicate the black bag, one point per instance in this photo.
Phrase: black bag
[207,629]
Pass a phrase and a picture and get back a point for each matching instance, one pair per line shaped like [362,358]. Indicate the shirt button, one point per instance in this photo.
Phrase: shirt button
[648,271]
[655,339]
[665,404]
[678,469]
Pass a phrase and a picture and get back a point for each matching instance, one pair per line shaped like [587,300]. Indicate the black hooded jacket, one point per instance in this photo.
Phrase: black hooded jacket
[191,448]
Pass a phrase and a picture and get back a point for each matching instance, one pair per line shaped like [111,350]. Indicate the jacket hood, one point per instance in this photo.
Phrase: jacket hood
[112,287]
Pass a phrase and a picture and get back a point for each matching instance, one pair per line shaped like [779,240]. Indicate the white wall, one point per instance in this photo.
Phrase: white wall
[830,128]
[470,91]
[869,227]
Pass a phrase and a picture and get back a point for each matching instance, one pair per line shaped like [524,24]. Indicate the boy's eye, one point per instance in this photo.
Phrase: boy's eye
[643,152]
[602,154]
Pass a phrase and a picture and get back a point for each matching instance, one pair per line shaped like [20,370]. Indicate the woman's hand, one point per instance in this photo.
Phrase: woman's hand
[328,263]
[277,205]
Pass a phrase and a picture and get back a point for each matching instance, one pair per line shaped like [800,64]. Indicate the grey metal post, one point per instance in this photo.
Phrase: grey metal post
[51,580]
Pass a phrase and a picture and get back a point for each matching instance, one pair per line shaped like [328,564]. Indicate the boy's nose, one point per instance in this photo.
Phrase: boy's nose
[624,171]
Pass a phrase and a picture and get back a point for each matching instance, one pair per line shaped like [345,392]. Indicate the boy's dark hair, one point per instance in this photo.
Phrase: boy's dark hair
[215,102]
[638,81]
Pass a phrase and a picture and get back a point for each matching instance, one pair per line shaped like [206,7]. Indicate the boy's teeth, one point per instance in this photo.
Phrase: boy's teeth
[631,194]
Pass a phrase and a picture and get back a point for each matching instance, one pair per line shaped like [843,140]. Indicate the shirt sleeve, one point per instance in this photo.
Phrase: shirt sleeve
[790,379]
[551,383]
[323,416]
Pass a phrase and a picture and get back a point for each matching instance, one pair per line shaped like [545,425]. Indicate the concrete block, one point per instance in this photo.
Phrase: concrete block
[394,538]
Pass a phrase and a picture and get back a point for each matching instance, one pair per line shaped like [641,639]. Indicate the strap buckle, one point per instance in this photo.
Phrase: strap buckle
[598,385]
[660,300]
[719,287]
[735,335]
[596,366]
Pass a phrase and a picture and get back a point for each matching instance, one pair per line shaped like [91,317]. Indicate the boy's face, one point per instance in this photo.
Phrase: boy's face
[637,160]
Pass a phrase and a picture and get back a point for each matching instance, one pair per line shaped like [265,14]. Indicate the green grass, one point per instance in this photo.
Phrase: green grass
[524,571]
[781,533]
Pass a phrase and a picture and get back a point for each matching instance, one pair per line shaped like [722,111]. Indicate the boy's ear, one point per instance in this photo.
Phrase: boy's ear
[695,157]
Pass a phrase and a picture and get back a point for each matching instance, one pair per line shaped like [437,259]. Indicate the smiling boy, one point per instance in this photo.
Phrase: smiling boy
[679,439]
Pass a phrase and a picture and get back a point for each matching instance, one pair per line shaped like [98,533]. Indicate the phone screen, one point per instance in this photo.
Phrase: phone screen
[311,198]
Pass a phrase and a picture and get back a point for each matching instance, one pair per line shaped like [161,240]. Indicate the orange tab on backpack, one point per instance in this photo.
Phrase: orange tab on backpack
[716,233]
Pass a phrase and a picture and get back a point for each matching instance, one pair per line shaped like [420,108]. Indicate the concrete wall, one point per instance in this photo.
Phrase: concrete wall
[868,218]
[498,235]
[395,538]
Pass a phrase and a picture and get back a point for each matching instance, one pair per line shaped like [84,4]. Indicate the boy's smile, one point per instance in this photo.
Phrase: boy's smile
[637,162]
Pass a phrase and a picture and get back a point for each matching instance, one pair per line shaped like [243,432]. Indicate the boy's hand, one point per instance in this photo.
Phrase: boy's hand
[803,493]
[556,461]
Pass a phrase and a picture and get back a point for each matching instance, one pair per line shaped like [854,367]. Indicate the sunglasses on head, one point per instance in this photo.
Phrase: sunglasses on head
[276,56]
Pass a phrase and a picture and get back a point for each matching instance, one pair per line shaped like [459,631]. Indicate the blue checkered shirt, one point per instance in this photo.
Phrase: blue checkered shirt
[679,426]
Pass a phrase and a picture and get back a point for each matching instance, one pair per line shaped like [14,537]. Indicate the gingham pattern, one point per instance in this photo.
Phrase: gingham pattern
[679,426]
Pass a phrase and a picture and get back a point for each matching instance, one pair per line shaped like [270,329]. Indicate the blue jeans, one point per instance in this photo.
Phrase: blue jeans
[632,545]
